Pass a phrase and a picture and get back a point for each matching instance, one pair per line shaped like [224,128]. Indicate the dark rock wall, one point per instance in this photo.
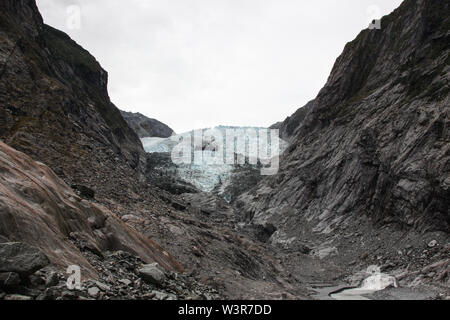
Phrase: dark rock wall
[289,126]
[146,127]
[54,103]
[375,143]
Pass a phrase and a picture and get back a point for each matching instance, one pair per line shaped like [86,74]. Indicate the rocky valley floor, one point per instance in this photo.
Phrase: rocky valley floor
[225,257]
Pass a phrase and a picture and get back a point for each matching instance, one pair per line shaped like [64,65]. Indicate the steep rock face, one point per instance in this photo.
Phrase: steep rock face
[146,127]
[375,143]
[289,126]
[54,103]
[38,208]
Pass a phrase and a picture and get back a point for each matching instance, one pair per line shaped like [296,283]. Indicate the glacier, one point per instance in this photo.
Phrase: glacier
[207,168]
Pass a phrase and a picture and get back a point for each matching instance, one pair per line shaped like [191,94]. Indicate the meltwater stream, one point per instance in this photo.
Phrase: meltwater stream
[377,281]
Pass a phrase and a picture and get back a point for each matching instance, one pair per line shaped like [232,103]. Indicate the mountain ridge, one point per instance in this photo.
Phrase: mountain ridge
[147,127]
[367,171]
[345,93]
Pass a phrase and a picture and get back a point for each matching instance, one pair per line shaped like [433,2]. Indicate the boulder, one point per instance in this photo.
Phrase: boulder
[151,273]
[52,279]
[9,280]
[94,292]
[304,249]
[21,258]
[126,282]
[102,286]
[432,244]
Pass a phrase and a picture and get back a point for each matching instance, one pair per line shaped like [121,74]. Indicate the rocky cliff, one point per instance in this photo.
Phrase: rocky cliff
[147,127]
[373,149]
[102,213]
[55,104]
[289,126]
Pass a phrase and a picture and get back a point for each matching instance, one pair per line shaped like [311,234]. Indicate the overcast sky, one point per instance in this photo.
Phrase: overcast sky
[201,63]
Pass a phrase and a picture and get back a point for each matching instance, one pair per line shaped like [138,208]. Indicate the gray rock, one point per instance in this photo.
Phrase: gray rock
[304,249]
[432,244]
[84,191]
[36,280]
[151,273]
[17,297]
[69,295]
[326,252]
[94,292]
[150,295]
[160,295]
[52,280]
[103,286]
[126,282]
[21,258]
[9,280]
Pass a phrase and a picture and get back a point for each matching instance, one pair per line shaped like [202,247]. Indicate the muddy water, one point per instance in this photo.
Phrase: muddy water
[374,281]
[352,294]
[341,293]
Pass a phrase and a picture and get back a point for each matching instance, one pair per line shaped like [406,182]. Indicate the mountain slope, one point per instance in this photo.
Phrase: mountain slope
[374,148]
[55,104]
[289,126]
[38,208]
[146,127]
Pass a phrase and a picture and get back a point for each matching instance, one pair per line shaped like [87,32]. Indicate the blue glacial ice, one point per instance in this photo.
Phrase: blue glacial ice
[206,169]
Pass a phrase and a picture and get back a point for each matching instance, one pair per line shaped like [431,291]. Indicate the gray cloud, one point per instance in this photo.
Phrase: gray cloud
[201,63]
